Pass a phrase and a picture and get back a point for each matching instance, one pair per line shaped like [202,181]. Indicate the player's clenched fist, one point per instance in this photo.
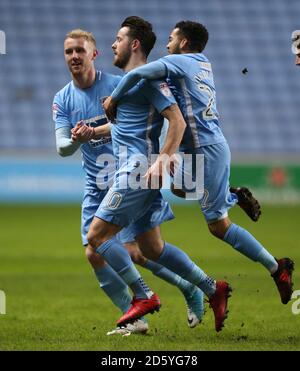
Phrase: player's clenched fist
[82,132]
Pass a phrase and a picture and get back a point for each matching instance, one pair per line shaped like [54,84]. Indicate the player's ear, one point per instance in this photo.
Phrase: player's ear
[184,44]
[135,44]
[95,53]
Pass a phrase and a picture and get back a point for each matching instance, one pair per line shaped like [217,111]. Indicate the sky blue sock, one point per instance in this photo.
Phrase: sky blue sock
[118,258]
[114,287]
[246,244]
[165,274]
[178,261]
[136,283]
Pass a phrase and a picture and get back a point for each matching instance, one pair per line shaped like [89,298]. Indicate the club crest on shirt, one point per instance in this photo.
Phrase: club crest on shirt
[164,88]
[54,111]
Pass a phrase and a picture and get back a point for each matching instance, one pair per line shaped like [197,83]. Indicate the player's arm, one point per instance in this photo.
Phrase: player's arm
[166,159]
[151,71]
[64,144]
[84,133]
[175,131]
[103,131]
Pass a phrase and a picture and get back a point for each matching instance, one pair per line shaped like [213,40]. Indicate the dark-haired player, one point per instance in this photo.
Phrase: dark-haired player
[190,78]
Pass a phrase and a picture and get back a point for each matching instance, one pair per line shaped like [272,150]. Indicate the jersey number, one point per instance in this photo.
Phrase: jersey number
[207,113]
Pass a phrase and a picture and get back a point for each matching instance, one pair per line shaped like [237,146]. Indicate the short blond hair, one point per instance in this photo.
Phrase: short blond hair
[77,33]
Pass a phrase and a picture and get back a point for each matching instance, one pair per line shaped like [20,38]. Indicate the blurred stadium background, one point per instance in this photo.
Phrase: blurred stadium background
[259,109]
[53,301]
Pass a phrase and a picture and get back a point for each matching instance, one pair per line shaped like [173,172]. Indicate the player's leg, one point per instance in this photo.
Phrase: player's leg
[192,294]
[171,257]
[218,199]
[245,243]
[111,216]
[109,281]
[117,291]
[247,202]
[101,238]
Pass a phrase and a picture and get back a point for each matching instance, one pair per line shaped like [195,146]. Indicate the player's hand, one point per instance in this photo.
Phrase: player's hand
[110,108]
[162,167]
[75,129]
[156,172]
[174,164]
[83,133]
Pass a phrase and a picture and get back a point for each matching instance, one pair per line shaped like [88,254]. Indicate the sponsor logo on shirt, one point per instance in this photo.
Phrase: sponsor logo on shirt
[94,122]
[95,143]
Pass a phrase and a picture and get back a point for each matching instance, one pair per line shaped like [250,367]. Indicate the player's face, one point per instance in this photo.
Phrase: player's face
[122,48]
[297,61]
[173,45]
[79,55]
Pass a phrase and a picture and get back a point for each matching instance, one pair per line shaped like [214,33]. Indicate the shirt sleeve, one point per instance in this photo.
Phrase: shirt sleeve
[175,65]
[64,144]
[159,94]
[150,71]
[59,114]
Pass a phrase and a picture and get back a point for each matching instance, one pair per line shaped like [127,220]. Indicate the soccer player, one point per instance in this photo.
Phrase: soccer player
[190,78]
[78,105]
[137,129]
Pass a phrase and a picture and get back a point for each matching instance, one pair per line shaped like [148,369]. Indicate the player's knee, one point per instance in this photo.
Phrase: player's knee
[94,240]
[138,258]
[217,231]
[94,259]
[135,253]
[151,252]
[219,228]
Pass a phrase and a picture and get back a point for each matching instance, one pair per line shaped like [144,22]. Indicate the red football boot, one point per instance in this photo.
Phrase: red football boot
[218,303]
[139,308]
[283,279]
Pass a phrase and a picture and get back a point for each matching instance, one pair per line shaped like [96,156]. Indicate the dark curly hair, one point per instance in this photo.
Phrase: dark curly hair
[141,30]
[195,33]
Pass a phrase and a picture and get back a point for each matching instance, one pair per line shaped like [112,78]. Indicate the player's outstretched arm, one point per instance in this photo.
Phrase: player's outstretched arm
[64,144]
[151,71]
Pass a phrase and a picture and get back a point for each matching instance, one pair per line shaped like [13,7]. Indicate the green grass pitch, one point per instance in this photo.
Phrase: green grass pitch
[54,302]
